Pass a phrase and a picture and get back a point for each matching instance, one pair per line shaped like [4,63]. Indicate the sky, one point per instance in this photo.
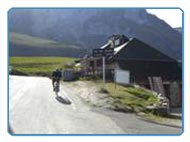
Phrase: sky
[171,16]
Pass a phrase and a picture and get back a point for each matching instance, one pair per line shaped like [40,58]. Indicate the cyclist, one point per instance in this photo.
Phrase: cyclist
[56,76]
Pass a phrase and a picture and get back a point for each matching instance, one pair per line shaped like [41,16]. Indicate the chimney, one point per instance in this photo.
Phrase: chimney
[117,40]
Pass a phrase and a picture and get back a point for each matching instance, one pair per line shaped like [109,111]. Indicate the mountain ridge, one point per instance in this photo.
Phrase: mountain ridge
[90,28]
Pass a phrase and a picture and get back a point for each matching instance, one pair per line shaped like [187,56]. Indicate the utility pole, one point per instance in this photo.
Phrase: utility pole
[103,53]
[103,67]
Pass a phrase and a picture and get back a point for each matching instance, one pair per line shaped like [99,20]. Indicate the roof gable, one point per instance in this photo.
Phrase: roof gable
[138,50]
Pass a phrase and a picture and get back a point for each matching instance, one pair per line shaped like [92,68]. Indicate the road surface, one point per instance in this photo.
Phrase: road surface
[33,109]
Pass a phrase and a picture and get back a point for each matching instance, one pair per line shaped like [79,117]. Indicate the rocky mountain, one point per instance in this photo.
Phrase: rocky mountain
[90,28]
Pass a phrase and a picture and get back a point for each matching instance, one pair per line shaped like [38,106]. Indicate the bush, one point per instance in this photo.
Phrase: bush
[103,90]
[90,78]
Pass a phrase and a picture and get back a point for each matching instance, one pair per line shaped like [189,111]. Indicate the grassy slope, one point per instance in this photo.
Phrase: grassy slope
[126,98]
[135,99]
[132,99]
[26,40]
[38,65]
[25,45]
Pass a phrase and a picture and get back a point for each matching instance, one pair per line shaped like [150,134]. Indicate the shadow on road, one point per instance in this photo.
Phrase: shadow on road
[63,100]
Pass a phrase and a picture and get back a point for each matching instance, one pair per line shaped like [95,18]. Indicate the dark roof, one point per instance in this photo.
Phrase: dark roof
[135,49]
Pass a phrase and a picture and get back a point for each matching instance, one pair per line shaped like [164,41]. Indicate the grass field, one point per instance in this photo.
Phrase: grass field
[42,66]
[126,98]
[135,99]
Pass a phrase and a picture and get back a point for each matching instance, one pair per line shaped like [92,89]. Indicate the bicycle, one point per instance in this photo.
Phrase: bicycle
[56,87]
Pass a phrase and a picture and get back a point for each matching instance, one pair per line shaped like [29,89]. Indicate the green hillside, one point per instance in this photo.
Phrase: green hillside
[25,45]
[26,40]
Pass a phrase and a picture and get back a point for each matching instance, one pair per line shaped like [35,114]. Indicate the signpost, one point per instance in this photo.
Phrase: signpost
[97,52]
[103,53]
[108,52]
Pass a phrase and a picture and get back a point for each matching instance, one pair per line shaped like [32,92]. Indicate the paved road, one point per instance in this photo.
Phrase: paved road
[34,110]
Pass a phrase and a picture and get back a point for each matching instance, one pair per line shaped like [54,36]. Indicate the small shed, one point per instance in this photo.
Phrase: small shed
[69,75]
